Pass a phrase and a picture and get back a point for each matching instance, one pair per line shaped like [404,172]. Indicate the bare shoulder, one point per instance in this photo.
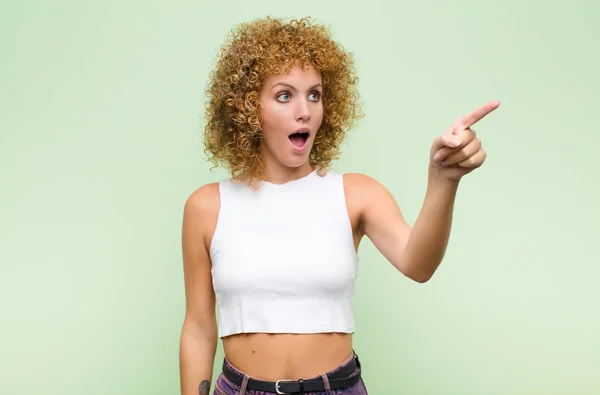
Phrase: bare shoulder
[362,187]
[203,200]
[363,195]
[360,181]
[201,210]
[370,199]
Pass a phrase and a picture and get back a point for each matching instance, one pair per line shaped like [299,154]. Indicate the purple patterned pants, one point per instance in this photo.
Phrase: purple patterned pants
[224,387]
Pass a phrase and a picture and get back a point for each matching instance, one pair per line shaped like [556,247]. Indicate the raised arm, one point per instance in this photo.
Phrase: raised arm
[418,251]
[199,332]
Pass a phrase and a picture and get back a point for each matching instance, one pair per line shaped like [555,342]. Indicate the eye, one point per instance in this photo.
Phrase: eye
[315,96]
[283,97]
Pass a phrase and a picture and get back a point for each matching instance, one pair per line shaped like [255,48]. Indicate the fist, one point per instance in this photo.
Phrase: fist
[459,151]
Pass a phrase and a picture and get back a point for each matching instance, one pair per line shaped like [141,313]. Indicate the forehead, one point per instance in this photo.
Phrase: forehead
[297,77]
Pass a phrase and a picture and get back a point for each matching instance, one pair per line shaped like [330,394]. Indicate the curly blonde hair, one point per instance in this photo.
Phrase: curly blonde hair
[251,53]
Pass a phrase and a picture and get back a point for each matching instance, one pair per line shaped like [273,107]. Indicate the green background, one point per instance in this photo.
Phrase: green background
[100,145]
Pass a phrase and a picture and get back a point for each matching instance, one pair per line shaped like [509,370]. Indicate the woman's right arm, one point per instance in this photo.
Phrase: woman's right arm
[199,336]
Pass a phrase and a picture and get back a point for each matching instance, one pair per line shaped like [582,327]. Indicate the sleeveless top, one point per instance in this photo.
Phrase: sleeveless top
[283,257]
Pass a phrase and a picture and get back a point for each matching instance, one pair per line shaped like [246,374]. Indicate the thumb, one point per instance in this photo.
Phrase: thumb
[449,140]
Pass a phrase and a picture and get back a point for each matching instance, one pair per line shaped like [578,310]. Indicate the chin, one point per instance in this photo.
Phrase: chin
[295,163]
[290,157]
[295,159]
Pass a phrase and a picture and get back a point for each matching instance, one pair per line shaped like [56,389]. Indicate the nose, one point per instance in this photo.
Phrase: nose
[303,111]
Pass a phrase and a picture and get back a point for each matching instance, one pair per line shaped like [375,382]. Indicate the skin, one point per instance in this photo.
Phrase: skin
[289,102]
[415,251]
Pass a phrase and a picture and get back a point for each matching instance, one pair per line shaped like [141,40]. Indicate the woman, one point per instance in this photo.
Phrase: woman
[275,246]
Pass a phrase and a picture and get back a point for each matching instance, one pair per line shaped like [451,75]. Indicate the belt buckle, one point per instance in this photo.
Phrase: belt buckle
[277,390]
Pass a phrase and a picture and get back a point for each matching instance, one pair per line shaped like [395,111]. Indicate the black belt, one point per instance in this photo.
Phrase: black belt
[342,378]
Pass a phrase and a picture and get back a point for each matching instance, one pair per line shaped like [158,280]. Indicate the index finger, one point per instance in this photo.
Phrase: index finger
[469,120]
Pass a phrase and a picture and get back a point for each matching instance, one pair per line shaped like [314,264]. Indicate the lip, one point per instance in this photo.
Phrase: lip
[303,147]
[301,130]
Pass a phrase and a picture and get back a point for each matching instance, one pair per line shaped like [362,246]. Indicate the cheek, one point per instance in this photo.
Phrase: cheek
[319,114]
[276,114]
[272,121]
[267,115]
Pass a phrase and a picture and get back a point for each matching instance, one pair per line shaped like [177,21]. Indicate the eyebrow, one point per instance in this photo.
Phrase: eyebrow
[292,88]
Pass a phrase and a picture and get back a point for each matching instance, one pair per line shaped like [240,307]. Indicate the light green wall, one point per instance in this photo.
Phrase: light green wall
[100,144]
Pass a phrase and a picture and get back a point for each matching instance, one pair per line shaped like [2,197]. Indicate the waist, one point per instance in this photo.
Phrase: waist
[294,356]
[301,314]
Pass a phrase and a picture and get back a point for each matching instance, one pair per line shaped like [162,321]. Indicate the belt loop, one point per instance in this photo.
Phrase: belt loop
[244,384]
[327,385]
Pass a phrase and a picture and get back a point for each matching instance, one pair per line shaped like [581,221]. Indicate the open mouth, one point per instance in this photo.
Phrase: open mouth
[299,138]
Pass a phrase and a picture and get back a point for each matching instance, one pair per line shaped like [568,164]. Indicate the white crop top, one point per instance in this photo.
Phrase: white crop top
[283,257]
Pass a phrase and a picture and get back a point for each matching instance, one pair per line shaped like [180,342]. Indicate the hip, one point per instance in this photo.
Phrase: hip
[344,379]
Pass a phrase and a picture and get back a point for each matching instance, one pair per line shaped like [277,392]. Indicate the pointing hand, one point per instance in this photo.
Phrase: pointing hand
[459,151]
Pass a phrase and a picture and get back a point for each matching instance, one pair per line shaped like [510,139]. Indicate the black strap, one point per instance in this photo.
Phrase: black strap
[342,378]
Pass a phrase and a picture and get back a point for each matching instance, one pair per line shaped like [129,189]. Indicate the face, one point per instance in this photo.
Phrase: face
[292,112]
